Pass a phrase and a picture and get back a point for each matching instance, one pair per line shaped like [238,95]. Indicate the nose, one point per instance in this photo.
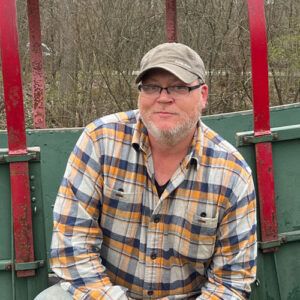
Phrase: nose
[164,89]
[164,96]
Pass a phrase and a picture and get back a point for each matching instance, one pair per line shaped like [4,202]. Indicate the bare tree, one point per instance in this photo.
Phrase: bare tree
[92,51]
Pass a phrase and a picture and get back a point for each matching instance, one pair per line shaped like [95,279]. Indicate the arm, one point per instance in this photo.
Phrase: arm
[233,267]
[77,237]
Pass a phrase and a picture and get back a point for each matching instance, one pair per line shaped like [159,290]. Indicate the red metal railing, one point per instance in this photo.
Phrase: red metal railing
[171,21]
[17,146]
[37,70]
[261,118]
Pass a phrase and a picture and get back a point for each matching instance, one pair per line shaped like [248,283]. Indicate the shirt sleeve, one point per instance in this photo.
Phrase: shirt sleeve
[77,236]
[233,266]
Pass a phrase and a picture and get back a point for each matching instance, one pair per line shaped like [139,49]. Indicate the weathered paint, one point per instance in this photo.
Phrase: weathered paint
[261,117]
[19,178]
[171,21]
[260,86]
[38,84]
[266,187]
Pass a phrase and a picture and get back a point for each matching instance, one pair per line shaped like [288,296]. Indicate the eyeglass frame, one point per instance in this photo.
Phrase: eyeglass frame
[190,88]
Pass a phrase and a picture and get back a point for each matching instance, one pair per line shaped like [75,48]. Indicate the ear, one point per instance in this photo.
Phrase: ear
[203,95]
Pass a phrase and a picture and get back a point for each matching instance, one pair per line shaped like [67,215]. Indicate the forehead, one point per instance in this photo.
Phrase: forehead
[158,74]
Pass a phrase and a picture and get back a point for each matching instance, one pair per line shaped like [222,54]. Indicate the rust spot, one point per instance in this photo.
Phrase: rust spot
[13,135]
[270,232]
[171,21]
[23,236]
[268,250]
[14,96]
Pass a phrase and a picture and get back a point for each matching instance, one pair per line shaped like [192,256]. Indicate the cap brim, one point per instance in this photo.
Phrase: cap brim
[179,72]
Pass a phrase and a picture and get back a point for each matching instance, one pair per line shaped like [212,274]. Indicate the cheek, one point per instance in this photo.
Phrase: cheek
[143,105]
[191,108]
[144,109]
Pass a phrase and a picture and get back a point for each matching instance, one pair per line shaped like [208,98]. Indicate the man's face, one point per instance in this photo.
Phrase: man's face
[169,119]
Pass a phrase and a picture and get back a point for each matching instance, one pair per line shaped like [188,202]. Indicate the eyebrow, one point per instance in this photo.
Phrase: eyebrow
[155,82]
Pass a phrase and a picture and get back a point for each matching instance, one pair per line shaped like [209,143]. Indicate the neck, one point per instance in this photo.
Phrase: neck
[166,158]
[166,149]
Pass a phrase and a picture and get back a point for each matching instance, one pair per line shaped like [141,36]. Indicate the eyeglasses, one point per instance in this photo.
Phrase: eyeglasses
[154,90]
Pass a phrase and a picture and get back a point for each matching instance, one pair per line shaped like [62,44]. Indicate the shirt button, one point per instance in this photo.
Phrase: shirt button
[153,256]
[150,293]
[203,214]
[156,219]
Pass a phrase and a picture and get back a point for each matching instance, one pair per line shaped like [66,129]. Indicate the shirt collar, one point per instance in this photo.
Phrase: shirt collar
[195,151]
[140,140]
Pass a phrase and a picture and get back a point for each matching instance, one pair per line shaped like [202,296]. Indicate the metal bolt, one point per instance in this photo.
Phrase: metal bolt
[275,136]
[284,240]
[31,177]
[33,199]
[245,140]
[35,209]
[33,188]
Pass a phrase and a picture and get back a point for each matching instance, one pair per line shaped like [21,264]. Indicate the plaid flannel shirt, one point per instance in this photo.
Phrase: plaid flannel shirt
[114,238]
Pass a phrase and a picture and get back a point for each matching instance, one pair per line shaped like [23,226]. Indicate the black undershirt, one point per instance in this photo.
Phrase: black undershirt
[161,188]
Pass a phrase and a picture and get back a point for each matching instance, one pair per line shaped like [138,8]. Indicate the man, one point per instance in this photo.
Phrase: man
[153,203]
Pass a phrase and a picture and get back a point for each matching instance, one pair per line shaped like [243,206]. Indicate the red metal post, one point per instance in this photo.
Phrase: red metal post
[171,21]
[261,115]
[38,85]
[20,190]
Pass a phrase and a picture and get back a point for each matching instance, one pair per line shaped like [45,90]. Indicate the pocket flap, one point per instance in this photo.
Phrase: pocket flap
[207,222]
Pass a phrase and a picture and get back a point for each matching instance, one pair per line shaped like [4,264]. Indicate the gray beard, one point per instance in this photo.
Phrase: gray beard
[172,136]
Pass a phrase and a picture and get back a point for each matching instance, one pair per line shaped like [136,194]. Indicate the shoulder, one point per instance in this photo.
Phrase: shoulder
[220,152]
[110,124]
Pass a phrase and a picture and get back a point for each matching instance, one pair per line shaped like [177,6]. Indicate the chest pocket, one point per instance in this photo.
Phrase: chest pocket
[195,237]
[121,214]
